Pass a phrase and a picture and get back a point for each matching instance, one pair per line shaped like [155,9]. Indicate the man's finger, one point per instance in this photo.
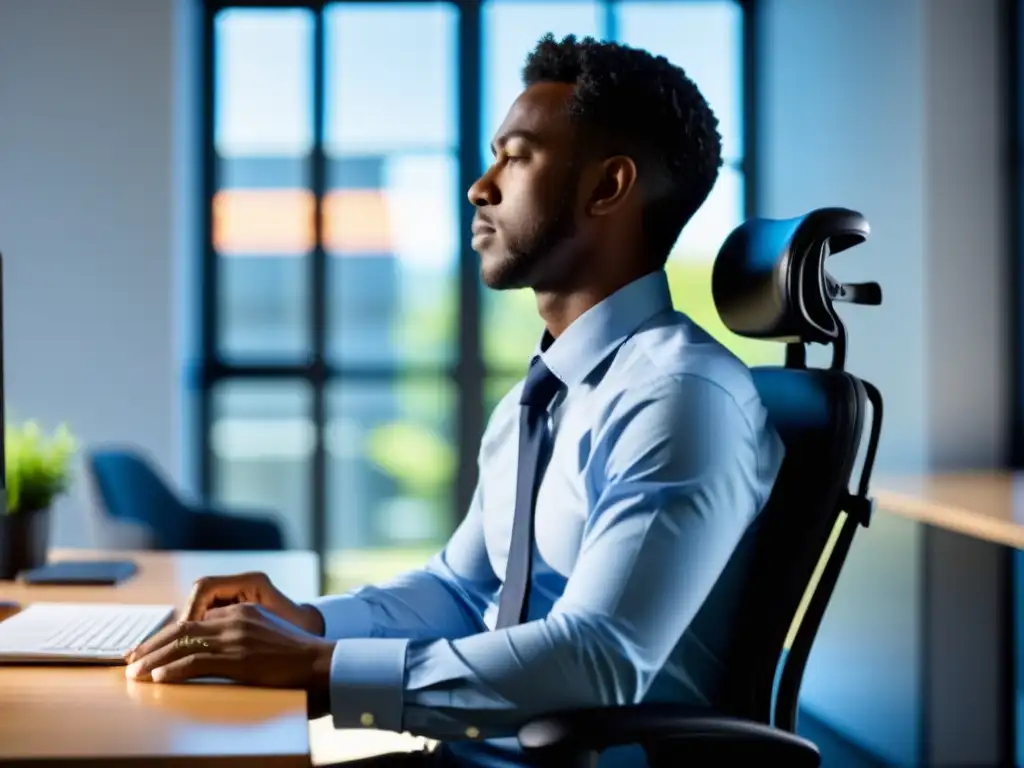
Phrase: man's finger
[184,646]
[192,666]
[168,635]
[224,612]
[158,639]
[207,592]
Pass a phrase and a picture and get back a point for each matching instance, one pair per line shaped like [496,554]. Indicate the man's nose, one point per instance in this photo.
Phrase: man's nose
[483,192]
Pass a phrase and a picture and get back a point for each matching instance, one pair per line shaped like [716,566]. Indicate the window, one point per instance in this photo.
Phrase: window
[350,354]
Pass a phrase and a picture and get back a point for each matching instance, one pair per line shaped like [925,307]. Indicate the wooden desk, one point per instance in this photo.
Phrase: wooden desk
[987,505]
[95,716]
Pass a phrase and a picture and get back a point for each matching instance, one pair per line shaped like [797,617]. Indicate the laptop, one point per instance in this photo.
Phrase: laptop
[78,633]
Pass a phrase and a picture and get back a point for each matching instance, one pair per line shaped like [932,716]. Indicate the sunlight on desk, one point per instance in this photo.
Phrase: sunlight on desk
[327,745]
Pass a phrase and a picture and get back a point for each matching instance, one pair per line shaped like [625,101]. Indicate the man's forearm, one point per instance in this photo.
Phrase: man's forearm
[423,603]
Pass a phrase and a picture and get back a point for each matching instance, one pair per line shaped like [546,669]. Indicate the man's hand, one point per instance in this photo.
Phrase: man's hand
[242,642]
[219,591]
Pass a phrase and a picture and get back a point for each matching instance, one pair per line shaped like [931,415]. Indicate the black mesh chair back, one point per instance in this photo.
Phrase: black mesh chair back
[769,282]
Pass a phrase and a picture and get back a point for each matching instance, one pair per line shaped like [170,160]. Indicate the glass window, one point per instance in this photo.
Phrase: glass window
[262,238]
[394,241]
[263,211]
[262,81]
[690,266]
[495,388]
[262,440]
[391,472]
[390,77]
[391,210]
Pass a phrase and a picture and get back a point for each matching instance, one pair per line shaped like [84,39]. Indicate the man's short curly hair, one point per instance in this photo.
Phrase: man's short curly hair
[628,101]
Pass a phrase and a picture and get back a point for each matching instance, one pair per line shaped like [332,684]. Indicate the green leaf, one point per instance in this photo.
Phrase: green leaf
[38,465]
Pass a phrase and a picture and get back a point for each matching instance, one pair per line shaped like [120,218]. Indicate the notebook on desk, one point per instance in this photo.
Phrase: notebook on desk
[83,572]
[78,633]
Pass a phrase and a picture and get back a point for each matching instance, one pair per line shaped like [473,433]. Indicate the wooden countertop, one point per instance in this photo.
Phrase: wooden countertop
[985,504]
[63,715]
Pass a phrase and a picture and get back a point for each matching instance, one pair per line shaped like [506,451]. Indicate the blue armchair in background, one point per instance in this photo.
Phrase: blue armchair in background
[131,489]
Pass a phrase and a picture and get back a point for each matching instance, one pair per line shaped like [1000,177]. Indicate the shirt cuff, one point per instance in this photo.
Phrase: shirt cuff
[368,683]
[344,616]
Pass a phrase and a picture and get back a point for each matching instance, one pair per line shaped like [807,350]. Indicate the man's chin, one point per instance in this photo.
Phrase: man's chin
[498,272]
[501,280]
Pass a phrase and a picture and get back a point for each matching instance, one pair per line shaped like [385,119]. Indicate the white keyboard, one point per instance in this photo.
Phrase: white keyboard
[78,632]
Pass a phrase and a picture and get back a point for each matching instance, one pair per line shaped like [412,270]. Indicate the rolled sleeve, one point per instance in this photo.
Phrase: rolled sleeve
[367,683]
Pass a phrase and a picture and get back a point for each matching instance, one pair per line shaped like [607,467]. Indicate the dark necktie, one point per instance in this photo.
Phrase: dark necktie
[540,387]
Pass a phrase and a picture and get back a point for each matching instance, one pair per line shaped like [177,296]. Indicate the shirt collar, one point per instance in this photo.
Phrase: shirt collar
[599,331]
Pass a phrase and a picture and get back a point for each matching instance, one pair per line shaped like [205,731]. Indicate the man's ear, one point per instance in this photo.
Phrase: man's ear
[616,179]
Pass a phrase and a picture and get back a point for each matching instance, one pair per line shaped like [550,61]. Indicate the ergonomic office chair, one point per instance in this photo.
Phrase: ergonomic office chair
[131,489]
[769,282]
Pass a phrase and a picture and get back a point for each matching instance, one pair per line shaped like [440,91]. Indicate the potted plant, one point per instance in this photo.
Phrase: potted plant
[38,471]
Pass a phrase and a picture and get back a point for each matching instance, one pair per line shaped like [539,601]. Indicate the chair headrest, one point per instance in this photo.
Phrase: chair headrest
[769,279]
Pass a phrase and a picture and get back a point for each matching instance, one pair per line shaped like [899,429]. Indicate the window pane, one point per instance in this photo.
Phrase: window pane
[511,330]
[391,211]
[262,307]
[690,266]
[391,473]
[390,77]
[495,388]
[510,30]
[721,213]
[262,80]
[706,40]
[391,224]
[262,441]
[263,211]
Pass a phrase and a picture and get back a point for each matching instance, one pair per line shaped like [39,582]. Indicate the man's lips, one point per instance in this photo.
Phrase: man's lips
[482,228]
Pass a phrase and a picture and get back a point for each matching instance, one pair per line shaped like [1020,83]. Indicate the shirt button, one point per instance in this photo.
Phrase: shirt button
[472,732]
[366,719]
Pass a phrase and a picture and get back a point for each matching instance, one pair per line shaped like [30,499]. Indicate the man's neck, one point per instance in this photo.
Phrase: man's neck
[560,309]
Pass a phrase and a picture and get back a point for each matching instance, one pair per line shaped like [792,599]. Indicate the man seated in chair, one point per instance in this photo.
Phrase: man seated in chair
[614,482]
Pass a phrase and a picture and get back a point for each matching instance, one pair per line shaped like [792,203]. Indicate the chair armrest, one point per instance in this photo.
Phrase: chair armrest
[670,734]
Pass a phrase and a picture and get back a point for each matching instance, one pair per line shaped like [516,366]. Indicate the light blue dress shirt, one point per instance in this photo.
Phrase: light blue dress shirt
[662,457]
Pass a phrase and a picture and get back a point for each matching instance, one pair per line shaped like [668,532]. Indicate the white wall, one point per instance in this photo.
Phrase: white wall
[893,108]
[89,145]
[968,288]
